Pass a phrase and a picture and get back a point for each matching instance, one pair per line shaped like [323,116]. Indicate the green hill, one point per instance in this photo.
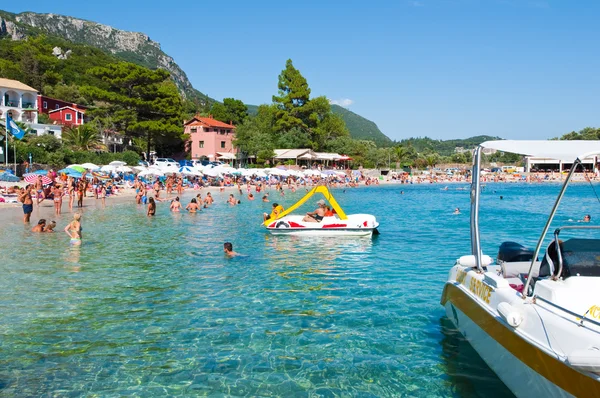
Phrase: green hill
[445,147]
[359,127]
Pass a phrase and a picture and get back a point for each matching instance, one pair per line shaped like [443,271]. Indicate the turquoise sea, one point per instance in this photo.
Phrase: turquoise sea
[151,307]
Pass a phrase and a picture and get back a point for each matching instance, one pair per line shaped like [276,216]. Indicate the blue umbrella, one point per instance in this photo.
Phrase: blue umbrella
[74,174]
[41,172]
[8,177]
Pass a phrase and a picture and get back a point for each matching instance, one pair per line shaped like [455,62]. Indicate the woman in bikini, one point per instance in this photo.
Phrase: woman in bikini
[151,207]
[57,193]
[73,229]
[176,205]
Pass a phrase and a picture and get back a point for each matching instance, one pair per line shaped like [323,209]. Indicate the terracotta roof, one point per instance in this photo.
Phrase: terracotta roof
[208,122]
[15,85]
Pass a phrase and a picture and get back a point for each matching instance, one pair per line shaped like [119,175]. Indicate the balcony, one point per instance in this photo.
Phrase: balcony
[29,105]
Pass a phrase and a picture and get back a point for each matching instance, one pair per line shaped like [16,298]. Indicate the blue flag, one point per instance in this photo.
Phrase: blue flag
[13,128]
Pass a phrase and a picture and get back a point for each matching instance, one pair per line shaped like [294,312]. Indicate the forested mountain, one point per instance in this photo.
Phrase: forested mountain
[445,147]
[128,46]
[361,128]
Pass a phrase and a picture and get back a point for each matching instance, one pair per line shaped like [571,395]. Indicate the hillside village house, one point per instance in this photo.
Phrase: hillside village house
[210,139]
[22,102]
[62,112]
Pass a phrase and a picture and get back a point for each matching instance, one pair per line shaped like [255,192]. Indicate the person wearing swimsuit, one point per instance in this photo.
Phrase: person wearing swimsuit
[73,229]
[176,205]
[317,215]
[151,207]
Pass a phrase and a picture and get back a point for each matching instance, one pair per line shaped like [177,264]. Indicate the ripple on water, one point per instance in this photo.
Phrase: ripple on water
[151,307]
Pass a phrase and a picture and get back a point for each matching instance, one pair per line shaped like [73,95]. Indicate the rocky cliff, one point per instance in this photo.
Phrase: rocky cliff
[130,46]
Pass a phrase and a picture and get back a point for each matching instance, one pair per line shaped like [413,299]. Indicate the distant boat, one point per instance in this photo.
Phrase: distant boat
[535,323]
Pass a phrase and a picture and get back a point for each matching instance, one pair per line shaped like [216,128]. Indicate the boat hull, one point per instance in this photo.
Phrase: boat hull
[516,375]
[323,232]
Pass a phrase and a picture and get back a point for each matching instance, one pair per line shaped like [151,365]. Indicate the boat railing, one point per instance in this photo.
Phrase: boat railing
[580,317]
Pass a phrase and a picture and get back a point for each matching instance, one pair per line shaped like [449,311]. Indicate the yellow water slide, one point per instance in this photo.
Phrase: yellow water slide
[328,196]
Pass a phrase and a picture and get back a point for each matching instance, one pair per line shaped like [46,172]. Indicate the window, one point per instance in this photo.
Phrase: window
[222,131]
[68,116]
[222,144]
[201,144]
[194,129]
[45,104]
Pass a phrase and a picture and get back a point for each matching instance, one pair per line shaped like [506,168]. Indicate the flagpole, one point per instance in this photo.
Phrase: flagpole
[6,146]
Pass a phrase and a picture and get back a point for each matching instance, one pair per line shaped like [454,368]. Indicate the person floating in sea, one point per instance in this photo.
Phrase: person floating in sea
[586,218]
[277,210]
[25,198]
[250,196]
[228,250]
[317,215]
[40,226]
[265,198]
[73,229]
[456,211]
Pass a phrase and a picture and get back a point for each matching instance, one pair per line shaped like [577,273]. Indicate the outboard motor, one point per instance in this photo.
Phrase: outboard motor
[513,252]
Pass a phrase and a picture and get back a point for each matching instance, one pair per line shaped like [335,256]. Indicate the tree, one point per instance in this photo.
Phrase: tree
[230,111]
[83,138]
[294,94]
[141,102]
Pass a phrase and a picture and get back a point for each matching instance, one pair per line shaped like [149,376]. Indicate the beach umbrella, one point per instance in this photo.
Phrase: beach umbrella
[32,178]
[108,168]
[74,174]
[8,177]
[186,170]
[117,163]
[124,169]
[151,172]
[260,174]
[40,172]
[214,172]
[90,166]
[77,167]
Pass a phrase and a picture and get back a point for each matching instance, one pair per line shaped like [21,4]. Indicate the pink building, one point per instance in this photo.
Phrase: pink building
[210,139]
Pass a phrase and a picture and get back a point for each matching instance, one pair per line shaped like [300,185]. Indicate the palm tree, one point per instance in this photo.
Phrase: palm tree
[83,138]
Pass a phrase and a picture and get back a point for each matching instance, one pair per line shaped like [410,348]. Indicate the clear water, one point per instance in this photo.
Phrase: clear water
[151,307]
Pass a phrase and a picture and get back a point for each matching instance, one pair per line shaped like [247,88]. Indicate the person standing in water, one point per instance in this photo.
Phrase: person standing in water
[151,207]
[176,205]
[73,229]
[25,198]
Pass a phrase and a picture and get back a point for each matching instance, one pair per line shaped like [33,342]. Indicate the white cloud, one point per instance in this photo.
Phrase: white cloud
[345,102]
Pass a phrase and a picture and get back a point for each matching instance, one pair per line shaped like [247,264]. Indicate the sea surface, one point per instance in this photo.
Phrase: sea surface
[151,306]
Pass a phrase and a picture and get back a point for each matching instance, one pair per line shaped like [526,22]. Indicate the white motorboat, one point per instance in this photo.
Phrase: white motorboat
[339,224]
[535,320]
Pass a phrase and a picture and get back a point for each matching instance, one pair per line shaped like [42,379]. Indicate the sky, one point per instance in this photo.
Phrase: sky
[517,69]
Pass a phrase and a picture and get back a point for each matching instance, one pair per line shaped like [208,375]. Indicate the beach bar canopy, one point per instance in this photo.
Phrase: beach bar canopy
[226,155]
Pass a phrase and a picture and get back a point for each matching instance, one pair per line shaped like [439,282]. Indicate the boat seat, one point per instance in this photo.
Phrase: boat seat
[514,269]
[581,257]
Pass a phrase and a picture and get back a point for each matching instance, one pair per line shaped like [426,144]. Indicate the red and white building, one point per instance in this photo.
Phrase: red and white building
[210,139]
[62,112]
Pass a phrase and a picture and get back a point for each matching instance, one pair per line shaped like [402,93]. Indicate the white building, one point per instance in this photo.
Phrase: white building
[19,99]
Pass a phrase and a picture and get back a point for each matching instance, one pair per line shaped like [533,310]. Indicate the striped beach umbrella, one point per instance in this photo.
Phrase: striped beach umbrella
[32,178]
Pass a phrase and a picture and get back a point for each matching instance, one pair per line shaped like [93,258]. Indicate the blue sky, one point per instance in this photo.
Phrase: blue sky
[445,69]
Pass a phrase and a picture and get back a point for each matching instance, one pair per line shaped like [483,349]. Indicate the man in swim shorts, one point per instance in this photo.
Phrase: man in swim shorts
[25,198]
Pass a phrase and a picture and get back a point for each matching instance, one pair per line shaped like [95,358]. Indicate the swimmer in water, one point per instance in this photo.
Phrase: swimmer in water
[456,211]
[228,250]
[193,207]
[176,205]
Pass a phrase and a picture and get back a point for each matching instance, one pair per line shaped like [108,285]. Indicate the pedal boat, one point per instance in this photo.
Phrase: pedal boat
[340,224]
[534,320]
